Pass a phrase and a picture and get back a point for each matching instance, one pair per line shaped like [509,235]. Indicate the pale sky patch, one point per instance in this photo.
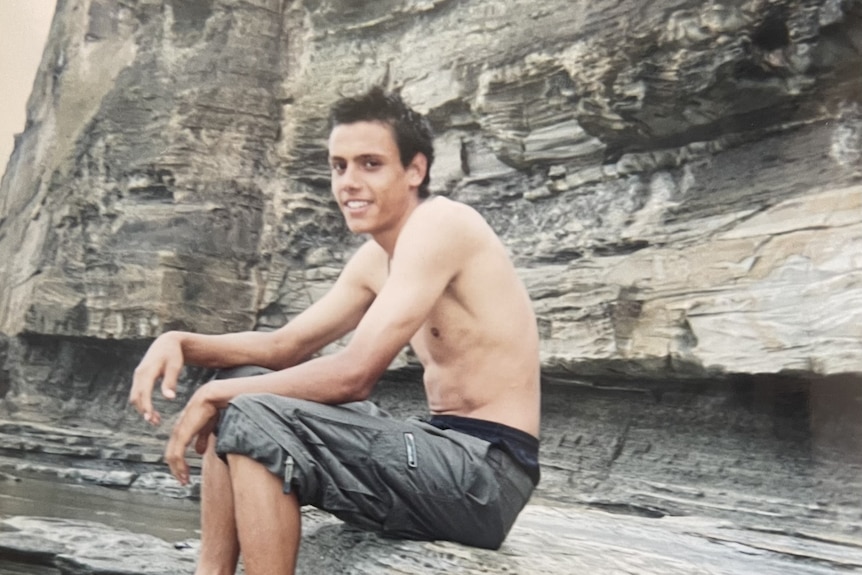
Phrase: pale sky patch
[24,28]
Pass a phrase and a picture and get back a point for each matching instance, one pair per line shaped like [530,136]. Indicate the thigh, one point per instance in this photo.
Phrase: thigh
[322,452]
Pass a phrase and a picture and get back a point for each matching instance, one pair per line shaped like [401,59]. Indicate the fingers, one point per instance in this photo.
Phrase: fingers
[197,420]
[141,396]
[175,458]
[164,359]
[169,379]
[179,467]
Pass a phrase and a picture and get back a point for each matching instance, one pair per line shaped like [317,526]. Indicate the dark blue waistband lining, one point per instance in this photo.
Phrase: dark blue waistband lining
[520,445]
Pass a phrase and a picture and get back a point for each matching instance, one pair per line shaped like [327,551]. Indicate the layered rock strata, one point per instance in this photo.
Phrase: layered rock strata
[678,181]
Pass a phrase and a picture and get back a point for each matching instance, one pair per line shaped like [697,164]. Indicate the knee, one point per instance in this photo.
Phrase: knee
[244,402]
[265,405]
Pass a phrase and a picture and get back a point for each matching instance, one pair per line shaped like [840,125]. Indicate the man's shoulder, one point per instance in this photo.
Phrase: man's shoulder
[444,205]
[444,234]
[449,216]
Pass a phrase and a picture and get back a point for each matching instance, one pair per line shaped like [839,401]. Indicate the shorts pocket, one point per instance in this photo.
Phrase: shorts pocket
[413,462]
[341,456]
[441,489]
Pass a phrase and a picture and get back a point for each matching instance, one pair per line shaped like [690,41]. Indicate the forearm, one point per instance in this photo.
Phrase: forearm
[327,379]
[235,349]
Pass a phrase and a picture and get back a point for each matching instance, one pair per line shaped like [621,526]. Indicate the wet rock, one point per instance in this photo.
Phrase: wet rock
[165,484]
[106,478]
[544,540]
[89,548]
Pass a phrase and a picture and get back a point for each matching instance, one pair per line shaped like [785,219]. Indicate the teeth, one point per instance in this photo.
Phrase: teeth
[356,204]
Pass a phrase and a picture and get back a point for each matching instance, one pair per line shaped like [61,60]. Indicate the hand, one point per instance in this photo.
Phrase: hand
[198,419]
[163,360]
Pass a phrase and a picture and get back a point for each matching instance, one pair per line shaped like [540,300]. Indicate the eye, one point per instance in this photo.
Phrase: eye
[337,167]
[371,163]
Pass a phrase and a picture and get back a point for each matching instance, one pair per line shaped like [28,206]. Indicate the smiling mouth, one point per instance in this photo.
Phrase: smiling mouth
[356,204]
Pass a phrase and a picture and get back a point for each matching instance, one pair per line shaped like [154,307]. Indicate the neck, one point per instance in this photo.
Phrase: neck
[389,237]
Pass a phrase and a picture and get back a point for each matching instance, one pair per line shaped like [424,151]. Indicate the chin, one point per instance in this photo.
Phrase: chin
[358,227]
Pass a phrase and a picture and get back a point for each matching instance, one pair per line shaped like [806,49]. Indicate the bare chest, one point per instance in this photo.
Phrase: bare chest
[447,333]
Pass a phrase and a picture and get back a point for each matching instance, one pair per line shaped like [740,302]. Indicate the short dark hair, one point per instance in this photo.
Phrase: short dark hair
[412,130]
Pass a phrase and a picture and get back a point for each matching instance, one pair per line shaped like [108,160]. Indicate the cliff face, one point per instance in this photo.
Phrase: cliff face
[679,182]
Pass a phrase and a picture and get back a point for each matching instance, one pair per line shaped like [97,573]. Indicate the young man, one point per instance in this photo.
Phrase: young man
[433,274]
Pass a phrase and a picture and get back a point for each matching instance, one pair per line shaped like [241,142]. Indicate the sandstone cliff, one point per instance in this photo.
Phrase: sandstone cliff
[678,181]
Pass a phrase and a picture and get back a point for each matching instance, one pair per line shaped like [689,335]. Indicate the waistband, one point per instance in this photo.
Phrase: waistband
[520,445]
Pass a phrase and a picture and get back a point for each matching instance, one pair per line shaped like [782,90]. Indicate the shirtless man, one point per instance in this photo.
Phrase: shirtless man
[433,274]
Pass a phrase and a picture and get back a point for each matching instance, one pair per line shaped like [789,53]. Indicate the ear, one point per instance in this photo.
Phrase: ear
[417,169]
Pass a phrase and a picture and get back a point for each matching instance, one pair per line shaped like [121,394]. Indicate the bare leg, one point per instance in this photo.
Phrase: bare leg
[268,520]
[219,543]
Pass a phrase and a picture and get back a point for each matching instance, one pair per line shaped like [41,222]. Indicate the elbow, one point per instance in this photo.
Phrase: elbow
[359,385]
[359,393]
[286,349]
[359,379]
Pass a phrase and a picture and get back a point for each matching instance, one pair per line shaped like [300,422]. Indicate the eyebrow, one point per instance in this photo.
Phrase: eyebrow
[360,157]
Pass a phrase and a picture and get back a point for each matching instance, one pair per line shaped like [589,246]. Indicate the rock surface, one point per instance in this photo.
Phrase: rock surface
[543,541]
[88,548]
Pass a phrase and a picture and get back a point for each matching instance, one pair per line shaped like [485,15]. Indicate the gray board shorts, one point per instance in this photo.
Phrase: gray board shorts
[404,479]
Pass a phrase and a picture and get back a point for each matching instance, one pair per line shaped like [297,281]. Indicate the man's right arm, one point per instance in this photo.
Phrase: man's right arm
[331,317]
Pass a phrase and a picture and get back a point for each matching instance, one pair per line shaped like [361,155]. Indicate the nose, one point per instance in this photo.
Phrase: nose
[347,180]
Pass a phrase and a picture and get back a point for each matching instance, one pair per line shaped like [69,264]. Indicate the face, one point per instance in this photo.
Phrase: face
[374,191]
